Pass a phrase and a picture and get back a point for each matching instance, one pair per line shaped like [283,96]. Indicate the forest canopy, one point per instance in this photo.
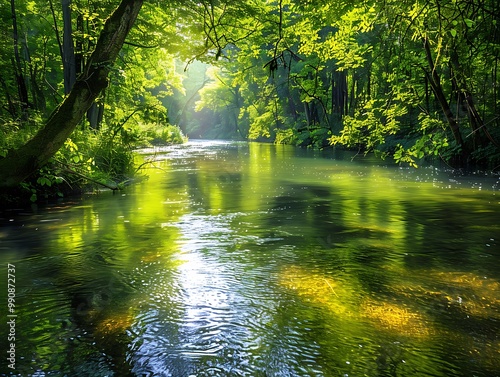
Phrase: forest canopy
[406,79]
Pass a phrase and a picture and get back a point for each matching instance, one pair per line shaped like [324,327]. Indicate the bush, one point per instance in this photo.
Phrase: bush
[89,159]
[164,135]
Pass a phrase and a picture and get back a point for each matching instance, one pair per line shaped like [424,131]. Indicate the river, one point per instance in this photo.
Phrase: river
[248,259]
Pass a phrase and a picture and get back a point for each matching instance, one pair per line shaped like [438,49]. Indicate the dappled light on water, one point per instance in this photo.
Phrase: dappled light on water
[257,260]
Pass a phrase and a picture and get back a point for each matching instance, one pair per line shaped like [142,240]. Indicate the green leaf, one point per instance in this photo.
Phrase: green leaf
[468,22]
[453,32]
[44,181]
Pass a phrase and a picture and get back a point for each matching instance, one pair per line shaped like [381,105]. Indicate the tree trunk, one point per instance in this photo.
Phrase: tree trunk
[79,60]
[95,115]
[307,113]
[69,64]
[435,83]
[56,29]
[21,163]
[475,119]
[37,95]
[339,92]
[18,69]
[11,107]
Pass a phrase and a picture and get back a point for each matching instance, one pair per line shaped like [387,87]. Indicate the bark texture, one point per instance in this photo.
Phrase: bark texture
[69,63]
[21,163]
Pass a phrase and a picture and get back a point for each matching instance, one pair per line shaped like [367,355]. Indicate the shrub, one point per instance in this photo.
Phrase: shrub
[164,135]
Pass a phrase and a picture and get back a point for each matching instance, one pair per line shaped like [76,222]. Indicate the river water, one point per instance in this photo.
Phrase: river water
[237,259]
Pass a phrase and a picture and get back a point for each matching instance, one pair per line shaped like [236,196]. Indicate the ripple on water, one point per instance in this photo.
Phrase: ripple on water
[220,326]
[224,318]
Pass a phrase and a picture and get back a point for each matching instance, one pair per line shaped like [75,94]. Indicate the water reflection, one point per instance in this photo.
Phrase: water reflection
[261,260]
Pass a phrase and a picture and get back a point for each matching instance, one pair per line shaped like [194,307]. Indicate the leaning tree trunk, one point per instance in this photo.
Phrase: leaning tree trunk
[21,163]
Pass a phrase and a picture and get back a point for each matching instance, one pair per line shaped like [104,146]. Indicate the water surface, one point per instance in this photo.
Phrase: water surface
[238,259]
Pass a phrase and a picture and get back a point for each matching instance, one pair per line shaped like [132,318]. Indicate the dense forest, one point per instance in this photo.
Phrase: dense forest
[85,82]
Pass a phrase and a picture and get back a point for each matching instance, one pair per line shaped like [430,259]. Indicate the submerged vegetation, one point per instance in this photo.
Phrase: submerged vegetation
[398,311]
[401,79]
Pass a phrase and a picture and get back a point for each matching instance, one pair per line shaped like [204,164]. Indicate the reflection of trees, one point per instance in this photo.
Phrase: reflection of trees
[442,235]
[94,260]
[126,238]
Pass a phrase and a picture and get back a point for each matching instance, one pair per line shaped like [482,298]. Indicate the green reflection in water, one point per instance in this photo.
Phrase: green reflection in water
[262,260]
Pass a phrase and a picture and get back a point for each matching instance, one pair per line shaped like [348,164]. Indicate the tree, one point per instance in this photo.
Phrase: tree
[68,49]
[403,78]
[22,162]
[21,82]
